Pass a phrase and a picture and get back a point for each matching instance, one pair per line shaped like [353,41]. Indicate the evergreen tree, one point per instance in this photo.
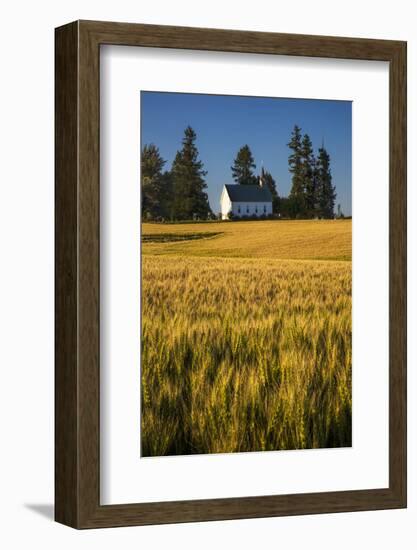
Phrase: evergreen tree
[243,166]
[316,186]
[326,193]
[151,181]
[190,198]
[285,207]
[167,195]
[270,183]
[295,162]
[308,170]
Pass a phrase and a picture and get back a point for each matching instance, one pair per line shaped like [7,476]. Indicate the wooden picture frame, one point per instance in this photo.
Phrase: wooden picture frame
[77,374]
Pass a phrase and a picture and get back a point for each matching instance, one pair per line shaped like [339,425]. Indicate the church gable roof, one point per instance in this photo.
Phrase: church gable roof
[248,193]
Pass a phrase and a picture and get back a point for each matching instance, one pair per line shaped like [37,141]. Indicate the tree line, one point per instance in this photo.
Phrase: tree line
[312,192]
[180,193]
[177,194]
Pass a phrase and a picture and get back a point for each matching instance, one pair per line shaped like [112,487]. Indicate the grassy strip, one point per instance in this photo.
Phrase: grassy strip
[175,237]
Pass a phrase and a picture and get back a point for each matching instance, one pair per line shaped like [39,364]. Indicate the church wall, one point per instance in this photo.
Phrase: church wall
[241,209]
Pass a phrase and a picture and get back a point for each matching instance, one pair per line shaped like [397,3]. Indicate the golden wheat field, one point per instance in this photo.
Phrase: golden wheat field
[246,336]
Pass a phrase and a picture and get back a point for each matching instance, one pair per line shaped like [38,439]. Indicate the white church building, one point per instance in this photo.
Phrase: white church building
[245,200]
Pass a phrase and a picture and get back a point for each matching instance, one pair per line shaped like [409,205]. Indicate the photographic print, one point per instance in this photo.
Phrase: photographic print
[246,274]
[203,274]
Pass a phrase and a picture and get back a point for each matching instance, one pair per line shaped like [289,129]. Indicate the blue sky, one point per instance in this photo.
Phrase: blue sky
[225,123]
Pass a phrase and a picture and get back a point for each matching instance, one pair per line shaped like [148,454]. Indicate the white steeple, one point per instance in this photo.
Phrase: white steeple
[261,181]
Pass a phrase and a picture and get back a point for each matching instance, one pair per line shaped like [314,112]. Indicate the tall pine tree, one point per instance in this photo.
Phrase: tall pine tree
[190,198]
[243,167]
[151,182]
[326,193]
[270,183]
[308,175]
[295,162]
[167,195]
